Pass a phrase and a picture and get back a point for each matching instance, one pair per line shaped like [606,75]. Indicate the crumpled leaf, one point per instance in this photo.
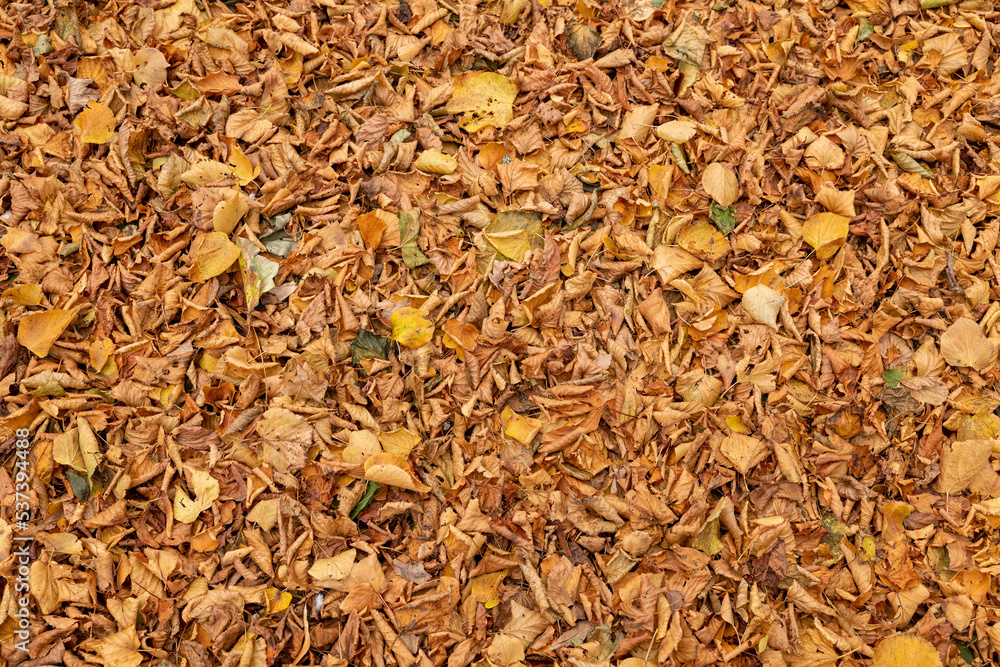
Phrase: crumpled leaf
[763,304]
[206,491]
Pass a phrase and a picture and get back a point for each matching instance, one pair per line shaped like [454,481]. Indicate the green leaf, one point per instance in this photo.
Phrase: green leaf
[409,231]
[865,29]
[366,499]
[368,345]
[79,484]
[893,376]
[723,217]
[966,651]
[934,4]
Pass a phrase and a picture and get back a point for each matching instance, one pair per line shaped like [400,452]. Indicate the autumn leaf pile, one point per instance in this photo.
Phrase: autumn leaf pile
[501,333]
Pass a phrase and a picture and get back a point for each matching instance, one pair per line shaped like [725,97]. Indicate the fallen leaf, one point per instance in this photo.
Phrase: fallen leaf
[826,232]
[411,328]
[216,253]
[963,344]
[721,184]
[95,124]
[39,331]
[483,99]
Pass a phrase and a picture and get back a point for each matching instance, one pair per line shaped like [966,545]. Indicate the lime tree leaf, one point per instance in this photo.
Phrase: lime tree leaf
[409,231]
[723,217]
[366,499]
[893,376]
[79,484]
[368,345]
[865,29]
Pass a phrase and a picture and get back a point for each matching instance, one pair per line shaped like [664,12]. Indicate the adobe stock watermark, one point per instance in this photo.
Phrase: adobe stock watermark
[22,542]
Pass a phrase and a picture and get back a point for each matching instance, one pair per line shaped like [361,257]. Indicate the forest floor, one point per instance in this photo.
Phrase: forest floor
[500,333]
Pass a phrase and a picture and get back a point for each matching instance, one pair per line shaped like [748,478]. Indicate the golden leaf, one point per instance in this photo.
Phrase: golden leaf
[702,239]
[100,352]
[120,649]
[902,650]
[522,429]
[335,568]
[961,462]
[964,344]
[483,99]
[411,328]
[206,172]
[744,451]
[721,184]
[229,212]
[390,470]
[360,446]
[206,490]
[243,170]
[265,513]
[95,124]
[215,255]
[826,232]
[433,161]
[399,442]
[39,331]
[677,131]
[24,295]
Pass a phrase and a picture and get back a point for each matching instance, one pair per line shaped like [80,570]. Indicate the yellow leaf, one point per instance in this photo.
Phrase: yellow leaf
[964,344]
[100,352]
[704,240]
[265,513]
[120,649]
[334,568]
[229,212]
[39,331]
[483,99]
[514,233]
[721,184]
[206,172]
[24,295]
[95,124]
[735,424]
[399,442]
[390,470]
[243,170]
[277,601]
[826,232]
[206,491]
[433,161]
[906,651]
[484,588]
[411,328]
[677,131]
[215,255]
[522,429]
[360,446]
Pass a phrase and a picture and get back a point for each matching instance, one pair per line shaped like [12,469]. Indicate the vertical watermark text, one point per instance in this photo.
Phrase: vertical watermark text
[22,541]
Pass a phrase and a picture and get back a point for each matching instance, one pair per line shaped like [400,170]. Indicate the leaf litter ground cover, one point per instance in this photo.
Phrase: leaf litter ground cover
[500,333]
